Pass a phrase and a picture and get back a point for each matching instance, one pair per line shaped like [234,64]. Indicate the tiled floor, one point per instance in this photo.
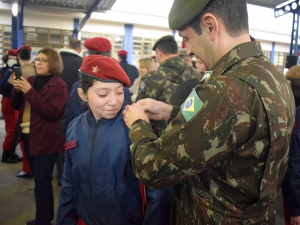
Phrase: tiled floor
[17,203]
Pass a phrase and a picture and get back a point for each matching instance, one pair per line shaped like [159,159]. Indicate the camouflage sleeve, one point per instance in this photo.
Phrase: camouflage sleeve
[184,148]
[148,88]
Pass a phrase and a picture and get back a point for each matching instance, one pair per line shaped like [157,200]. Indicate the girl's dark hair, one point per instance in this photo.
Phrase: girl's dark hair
[5,58]
[85,83]
[25,53]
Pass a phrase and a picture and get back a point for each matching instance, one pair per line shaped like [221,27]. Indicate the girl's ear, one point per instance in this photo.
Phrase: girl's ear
[81,94]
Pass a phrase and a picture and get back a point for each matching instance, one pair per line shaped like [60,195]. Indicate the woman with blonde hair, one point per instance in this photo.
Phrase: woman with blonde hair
[145,65]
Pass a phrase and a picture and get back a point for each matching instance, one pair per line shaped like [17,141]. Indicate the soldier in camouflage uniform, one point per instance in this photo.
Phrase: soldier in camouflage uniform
[162,83]
[226,147]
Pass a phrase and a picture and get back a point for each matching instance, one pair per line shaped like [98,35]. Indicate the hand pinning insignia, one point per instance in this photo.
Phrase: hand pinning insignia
[95,69]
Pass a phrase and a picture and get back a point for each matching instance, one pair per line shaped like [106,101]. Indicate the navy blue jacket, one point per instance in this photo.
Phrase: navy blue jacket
[5,86]
[99,185]
[131,71]
[73,107]
[291,181]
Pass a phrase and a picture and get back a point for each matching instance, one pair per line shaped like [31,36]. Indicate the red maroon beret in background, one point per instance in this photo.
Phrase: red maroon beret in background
[11,52]
[98,44]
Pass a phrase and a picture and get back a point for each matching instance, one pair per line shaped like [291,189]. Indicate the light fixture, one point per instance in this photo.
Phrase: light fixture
[15,8]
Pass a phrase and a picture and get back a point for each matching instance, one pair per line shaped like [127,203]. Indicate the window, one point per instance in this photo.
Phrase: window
[5,40]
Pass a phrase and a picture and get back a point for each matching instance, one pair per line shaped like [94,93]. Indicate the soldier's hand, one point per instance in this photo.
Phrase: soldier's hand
[132,113]
[295,220]
[156,110]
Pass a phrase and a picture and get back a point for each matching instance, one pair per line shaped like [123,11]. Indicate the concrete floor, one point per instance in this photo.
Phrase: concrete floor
[17,204]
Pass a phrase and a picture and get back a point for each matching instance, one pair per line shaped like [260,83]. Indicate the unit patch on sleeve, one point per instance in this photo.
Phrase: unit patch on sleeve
[70,144]
[191,106]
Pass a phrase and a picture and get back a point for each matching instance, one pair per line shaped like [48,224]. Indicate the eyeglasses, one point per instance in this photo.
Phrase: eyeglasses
[41,60]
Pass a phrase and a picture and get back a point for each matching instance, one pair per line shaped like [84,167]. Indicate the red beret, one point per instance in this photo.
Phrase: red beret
[104,68]
[122,52]
[98,44]
[153,57]
[19,49]
[11,52]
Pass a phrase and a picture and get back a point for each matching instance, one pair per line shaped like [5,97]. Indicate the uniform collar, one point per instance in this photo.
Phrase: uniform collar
[238,53]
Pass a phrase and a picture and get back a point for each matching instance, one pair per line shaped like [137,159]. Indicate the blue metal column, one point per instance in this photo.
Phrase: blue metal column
[14,31]
[75,31]
[174,33]
[20,25]
[128,41]
[272,53]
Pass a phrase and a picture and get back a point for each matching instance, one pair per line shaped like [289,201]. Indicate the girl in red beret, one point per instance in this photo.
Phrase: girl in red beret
[99,185]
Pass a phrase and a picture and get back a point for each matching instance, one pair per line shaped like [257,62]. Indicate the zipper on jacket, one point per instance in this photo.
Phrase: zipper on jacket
[91,173]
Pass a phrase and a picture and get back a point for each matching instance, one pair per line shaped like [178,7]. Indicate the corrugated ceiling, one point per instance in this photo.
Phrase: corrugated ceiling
[266,3]
[78,5]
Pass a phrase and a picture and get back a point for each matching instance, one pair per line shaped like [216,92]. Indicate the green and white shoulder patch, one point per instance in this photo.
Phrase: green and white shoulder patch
[191,106]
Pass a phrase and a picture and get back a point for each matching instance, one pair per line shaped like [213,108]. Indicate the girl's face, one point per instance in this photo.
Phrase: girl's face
[105,99]
[143,71]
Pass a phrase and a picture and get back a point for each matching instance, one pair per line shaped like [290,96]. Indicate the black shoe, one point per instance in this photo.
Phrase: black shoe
[10,157]
[24,175]
[30,222]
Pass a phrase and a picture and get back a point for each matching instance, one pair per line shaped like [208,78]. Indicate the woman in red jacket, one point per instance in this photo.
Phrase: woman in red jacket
[41,100]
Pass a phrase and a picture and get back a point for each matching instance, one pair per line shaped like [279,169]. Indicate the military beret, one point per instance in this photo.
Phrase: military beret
[183,12]
[11,52]
[164,38]
[98,44]
[104,69]
[122,52]
[20,48]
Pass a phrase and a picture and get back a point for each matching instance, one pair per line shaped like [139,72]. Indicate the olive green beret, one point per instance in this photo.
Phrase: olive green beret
[182,52]
[185,11]
[164,38]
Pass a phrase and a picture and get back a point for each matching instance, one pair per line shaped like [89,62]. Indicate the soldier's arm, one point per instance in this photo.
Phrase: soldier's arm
[148,87]
[185,148]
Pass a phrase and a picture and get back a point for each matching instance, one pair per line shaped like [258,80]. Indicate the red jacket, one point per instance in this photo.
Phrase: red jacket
[47,106]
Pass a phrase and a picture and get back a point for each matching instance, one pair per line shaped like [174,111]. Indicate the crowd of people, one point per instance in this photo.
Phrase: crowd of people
[176,141]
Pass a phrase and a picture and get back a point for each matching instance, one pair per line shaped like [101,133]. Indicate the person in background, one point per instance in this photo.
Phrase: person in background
[291,182]
[8,155]
[94,46]
[145,65]
[27,70]
[155,62]
[129,69]
[99,186]
[188,59]
[71,60]
[40,101]
[32,63]
[162,84]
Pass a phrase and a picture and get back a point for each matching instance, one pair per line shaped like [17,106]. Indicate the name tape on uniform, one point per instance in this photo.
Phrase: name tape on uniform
[191,106]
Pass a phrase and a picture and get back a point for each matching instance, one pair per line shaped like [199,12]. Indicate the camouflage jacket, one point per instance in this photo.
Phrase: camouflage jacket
[229,160]
[161,84]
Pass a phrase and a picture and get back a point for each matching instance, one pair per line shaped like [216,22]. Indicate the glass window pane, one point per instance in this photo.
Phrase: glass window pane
[67,32]
[137,43]
[95,35]
[85,34]
[54,31]
[137,38]
[54,39]
[29,37]
[7,33]
[42,38]
[29,29]
[7,28]
[42,30]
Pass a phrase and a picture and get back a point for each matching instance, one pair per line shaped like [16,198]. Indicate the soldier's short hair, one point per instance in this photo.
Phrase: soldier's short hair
[233,13]
[168,47]
[75,44]
[123,57]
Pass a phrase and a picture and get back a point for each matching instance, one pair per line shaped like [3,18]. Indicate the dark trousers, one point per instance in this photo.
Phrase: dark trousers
[42,168]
